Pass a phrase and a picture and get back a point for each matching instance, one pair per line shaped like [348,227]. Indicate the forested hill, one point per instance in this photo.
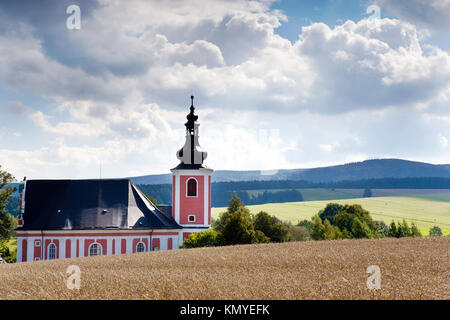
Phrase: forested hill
[369,169]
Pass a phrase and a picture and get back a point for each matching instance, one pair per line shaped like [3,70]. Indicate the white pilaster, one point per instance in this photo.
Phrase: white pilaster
[176,201]
[30,249]
[81,252]
[109,246]
[19,249]
[129,245]
[206,198]
[73,247]
[62,248]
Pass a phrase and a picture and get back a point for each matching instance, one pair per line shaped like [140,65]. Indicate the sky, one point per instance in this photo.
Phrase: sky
[277,84]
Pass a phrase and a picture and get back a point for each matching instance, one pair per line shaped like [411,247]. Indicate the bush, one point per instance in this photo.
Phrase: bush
[306,224]
[331,232]
[271,227]
[403,230]
[435,231]
[207,238]
[382,228]
[318,230]
[298,233]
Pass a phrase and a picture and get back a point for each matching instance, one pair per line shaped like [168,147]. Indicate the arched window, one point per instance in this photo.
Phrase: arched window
[95,249]
[140,247]
[51,251]
[191,187]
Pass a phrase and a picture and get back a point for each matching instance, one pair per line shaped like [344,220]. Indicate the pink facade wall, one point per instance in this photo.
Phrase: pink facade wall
[192,205]
[104,239]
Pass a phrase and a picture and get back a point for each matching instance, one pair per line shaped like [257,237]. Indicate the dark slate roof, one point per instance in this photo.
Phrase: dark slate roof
[167,210]
[90,204]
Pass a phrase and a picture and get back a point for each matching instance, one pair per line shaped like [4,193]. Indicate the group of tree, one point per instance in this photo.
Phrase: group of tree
[237,225]
[338,221]
[403,230]
[7,222]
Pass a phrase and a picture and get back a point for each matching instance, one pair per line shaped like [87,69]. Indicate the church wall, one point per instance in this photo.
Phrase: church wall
[71,244]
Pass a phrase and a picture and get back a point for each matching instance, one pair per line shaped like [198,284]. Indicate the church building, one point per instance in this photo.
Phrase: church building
[79,218]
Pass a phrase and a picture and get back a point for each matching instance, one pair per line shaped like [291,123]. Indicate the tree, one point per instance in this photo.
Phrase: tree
[392,230]
[331,232]
[238,229]
[298,233]
[414,231]
[306,224]
[207,238]
[360,229]
[329,212]
[402,229]
[271,227]
[7,222]
[382,228]
[234,205]
[318,230]
[435,231]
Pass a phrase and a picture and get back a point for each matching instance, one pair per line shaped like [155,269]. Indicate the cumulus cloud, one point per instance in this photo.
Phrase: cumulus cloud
[434,15]
[121,85]
[362,67]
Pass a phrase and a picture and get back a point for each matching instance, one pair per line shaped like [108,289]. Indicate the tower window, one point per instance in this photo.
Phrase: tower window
[191,218]
[191,187]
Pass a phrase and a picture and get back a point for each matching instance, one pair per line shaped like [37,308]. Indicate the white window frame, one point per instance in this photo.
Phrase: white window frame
[37,259]
[191,215]
[52,245]
[100,246]
[143,244]
[37,243]
[196,188]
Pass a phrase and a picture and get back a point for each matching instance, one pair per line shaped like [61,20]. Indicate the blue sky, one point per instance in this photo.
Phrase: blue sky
[285,84]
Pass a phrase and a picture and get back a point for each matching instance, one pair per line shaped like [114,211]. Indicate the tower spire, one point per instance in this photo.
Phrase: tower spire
[192,153]
[191,117]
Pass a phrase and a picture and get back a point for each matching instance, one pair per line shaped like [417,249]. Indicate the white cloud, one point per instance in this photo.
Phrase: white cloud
[434,15]
[121,86]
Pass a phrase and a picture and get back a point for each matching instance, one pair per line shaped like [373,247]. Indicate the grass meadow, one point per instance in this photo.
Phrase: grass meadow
[424,210]
[411,268]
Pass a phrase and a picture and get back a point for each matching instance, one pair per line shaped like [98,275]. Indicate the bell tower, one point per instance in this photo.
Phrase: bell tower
[191,182]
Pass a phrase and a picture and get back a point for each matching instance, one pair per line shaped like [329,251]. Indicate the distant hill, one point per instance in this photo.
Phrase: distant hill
[369,169]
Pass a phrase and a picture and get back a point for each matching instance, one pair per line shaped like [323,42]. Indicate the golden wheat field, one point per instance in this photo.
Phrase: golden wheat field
[411,268]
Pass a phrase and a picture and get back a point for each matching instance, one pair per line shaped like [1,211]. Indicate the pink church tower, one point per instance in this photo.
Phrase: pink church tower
[191,182]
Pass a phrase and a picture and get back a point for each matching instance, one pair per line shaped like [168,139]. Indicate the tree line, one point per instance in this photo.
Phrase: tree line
[222,191]
[237,225]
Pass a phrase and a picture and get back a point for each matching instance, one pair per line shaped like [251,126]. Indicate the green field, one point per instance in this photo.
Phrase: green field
[424,210]
[311,194]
